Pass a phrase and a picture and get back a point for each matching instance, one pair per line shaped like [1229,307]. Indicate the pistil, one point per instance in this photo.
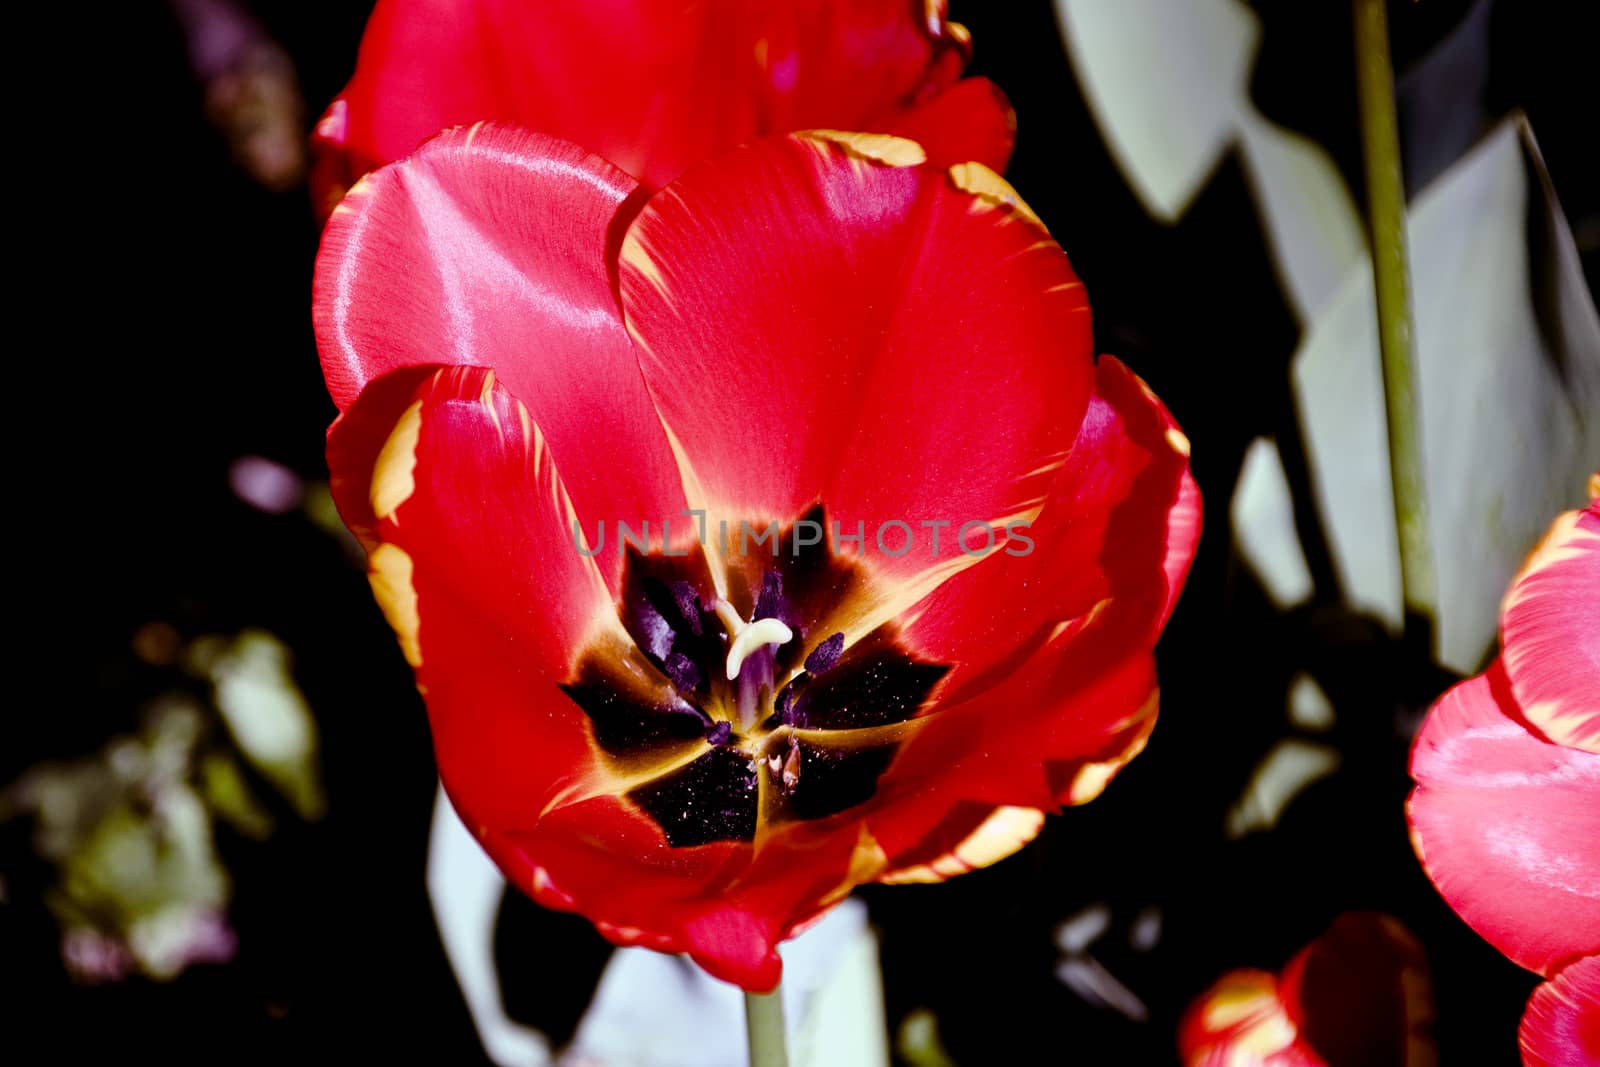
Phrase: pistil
[753,638]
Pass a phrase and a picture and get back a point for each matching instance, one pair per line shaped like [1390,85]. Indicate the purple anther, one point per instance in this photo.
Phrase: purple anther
[825,655]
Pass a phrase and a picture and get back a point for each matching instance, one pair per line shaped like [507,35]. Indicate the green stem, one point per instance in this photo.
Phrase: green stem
[763,1016]
[1386,218]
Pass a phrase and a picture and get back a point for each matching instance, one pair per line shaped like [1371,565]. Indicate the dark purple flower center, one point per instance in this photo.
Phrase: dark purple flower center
[752,706]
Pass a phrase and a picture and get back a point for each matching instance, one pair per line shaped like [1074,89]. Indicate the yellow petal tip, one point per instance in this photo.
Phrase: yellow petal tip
[877,147]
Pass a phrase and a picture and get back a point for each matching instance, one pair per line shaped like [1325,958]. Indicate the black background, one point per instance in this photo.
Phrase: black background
[176,337]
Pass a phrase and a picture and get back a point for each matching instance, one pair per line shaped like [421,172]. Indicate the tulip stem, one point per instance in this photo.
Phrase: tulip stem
[763,1016]
[1386,220]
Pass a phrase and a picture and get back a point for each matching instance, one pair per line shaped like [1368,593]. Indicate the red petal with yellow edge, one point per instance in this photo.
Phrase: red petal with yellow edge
[971,120]
[1241,1022]
[1505,824]
[1053,735]
[1361,995]
[821,318]
[654,86]
[490,604]
[1550,627]
[983,836]
[1116,535]
[1561,1027]
[488,249]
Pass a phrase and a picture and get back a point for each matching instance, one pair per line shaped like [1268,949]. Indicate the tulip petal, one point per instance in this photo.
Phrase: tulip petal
[724,904]
[1053,735]
[1358,996]
[488,249]
[1550,625]
[1241,1022]
[987,836]
[1115,537]
[653,86]
[1561,1027]
[812,327]
[1505,823]
[490,607]
[1361,995]
[970,121]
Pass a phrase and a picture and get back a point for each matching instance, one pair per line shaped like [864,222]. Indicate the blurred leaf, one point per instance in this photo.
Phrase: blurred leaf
[140,886]
[1282,775]
[1088,977]
[1262,516]
[1167,81]
[919,1044]
[465,889]
[1309,707]
[1508,347]
[267,715]
[227,794]
[1078,931]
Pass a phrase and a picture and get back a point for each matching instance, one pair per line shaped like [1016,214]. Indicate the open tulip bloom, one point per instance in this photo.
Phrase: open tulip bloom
[1506,813]
[909,545]
[655,86]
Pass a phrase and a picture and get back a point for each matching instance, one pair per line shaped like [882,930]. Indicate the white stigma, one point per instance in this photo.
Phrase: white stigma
[754,636]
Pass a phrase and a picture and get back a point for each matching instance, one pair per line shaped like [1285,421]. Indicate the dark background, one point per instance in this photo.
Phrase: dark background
[178,338]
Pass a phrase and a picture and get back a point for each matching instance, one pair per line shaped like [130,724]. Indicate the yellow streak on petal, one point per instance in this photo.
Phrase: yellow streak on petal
[1179,442]
[537,451]
[993,191]
[394,474]
[353,196]
[877,147]
[617,780]
[893,599]
[1056,461]
[1245,1020]
[1566,726]
[1072,627]
[1274,1033]
[634,254]
[486,398]
[1005,831]
[1092,778]
[1237,998]
[958,32]
[867,863]
[863,737]
[1594,486]
[1565,540]
[389,569]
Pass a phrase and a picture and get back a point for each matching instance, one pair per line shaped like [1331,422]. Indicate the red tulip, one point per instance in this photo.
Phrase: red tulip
[703,746]
[1357,996]
[1506,813]
[658,85]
